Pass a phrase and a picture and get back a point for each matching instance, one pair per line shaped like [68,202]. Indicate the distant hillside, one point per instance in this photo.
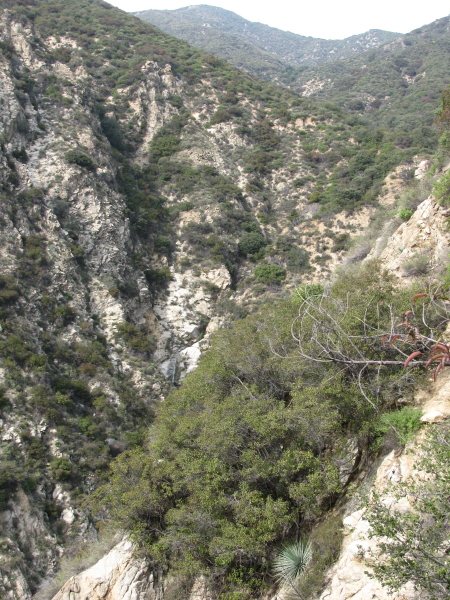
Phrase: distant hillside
[259,49]
[396,82]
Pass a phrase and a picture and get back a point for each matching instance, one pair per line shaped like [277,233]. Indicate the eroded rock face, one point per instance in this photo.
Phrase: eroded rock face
[349,578]
[119,575]
[420,245]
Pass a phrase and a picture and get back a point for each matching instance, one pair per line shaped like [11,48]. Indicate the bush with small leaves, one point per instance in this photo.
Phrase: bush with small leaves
[405,214]
[251,243]
[61,468]
[269,274]
[9,290]
[8,484]
[81,159]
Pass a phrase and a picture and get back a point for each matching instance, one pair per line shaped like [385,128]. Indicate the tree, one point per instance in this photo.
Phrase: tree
[269,274]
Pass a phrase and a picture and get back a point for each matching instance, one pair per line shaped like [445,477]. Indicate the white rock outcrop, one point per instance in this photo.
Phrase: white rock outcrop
[119,575]
[349,578]
[422,239]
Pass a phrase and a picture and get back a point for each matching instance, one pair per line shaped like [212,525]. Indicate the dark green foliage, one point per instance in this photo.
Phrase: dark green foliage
[167,139]
[251,243]
[243,451]
[81,159]
[61,468]
[8,484]
[135,338]
[260,162]
[77,389]
[9,290]
[64,315]
[264,135]
[269,274]
[4,401]
[31,196]
[34,258]
[224,114]
[146,207]
[20,155]
[17,349]
[441,190]
[157,277]
[112,130]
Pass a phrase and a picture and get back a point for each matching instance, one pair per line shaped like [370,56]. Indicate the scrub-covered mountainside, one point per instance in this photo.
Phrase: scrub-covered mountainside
[150,195]
[395,83]
[392,78]
[259,49]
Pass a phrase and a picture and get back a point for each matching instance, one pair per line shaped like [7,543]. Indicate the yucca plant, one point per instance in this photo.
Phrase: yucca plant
[291,563]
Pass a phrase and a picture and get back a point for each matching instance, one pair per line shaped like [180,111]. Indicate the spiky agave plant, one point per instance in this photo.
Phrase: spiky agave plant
[291,563]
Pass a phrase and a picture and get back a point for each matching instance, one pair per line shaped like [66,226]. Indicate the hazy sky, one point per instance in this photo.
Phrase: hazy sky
[324,18]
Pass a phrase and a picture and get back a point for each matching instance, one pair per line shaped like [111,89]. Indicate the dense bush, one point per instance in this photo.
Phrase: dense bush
[81,159]
[269,274]
[8,484]
[135,338]
[251,243]
[9,290]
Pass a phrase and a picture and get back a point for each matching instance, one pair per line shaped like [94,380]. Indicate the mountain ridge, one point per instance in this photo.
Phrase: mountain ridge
[219,31]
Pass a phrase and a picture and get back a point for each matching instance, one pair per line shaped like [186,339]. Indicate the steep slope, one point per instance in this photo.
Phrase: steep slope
[351,577]
[256,48]
[149,193]
[231,427]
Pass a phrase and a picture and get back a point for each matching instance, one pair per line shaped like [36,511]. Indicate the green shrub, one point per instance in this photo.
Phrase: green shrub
[158,277]
[404,423]
[135,338]
[405,214]
[251,243]
[81,159]
[9,290]
[441,190]
[269,274]
[8,484]
[306,290]
[16,348]
[418,264]
[64,314]
[61,468]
